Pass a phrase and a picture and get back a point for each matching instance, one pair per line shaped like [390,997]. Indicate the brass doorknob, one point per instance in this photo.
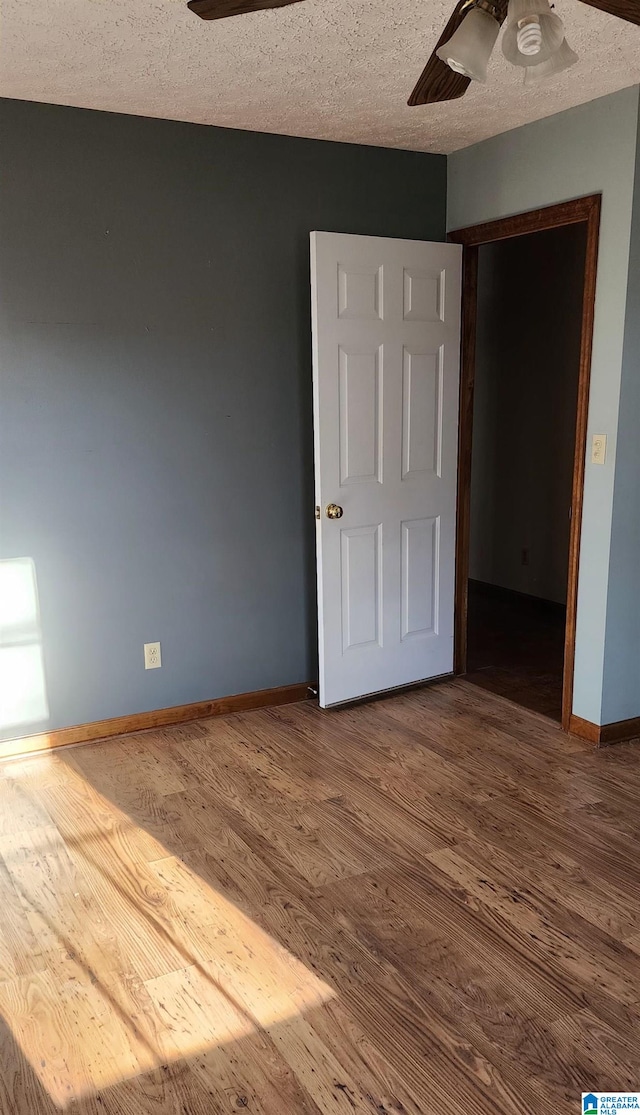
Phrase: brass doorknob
[333,511]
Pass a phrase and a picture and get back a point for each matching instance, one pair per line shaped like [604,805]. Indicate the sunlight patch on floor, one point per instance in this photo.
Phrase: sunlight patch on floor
[119,957]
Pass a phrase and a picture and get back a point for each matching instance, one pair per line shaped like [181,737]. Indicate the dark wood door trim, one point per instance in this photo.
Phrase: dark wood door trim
[465,427]
[583,210]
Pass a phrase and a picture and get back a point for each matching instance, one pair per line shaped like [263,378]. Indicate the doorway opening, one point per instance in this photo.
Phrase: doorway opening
[528,300]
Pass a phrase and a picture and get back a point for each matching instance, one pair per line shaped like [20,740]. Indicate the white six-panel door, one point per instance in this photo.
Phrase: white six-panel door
[386,342]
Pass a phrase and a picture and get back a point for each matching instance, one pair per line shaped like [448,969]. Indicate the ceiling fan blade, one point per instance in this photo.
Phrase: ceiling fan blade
[438,82]
[623,9]
[220,9]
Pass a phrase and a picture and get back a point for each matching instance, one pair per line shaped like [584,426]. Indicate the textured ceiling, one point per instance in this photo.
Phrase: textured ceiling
[331,69]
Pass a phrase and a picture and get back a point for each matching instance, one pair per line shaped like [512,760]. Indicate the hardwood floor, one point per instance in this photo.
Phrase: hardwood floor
[516,647]
[428,903]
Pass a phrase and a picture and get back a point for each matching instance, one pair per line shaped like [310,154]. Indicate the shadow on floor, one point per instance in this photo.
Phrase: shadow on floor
[516,647]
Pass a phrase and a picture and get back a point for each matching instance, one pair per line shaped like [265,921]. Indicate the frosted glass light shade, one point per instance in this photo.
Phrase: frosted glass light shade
[520,13]
[563,58]
[469,49]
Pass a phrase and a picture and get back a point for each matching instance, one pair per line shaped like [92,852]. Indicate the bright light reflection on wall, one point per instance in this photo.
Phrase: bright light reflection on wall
[23,694]
[133,960]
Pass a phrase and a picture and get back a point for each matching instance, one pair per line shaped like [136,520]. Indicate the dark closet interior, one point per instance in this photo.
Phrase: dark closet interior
[530,292]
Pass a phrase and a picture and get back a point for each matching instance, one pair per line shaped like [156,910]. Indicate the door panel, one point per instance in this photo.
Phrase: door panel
[361,586]
[423,295]
[421,413]
[386,336]
[360,415]
[360,292]
[420,563]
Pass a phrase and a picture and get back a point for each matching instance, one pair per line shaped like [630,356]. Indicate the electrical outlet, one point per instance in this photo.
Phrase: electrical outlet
[598,449]
[152,656]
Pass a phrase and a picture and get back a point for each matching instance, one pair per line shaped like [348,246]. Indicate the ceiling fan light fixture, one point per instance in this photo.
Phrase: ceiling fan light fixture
[469,49]
[532,33]
[563,58]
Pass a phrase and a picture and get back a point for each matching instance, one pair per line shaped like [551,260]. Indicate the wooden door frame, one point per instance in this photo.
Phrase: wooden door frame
[583,210]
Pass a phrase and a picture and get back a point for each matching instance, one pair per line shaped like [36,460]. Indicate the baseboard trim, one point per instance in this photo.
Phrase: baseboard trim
[584,729]
[603,734]
[158,718]
[499,592]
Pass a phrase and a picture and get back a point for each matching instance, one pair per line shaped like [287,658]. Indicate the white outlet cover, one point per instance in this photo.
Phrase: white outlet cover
[598,449]
[152,656]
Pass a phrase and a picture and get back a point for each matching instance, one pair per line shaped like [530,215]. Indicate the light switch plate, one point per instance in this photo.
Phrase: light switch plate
[598,449]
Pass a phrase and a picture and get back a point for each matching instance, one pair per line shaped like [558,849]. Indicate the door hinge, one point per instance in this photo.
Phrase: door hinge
[317,511]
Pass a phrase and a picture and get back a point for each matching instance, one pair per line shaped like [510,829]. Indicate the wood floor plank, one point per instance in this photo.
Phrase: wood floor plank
[18,812]
[431,902]
[63,910]
[20,951]
[564,882]
[372,1073]
[378,1000]
[568,942]
[173,1089]
[279,820]
[69,1030]
[251,1075]
[250,741]
[502,948]
[322,1071]
[533,824]
[589,1050]
[372,910]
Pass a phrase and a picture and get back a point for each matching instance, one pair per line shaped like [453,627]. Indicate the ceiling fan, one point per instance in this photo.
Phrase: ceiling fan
[533,39]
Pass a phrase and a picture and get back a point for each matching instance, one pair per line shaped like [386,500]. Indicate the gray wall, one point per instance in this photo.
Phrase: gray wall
[621,700]
[589,149]
[156,391]
[527,362]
